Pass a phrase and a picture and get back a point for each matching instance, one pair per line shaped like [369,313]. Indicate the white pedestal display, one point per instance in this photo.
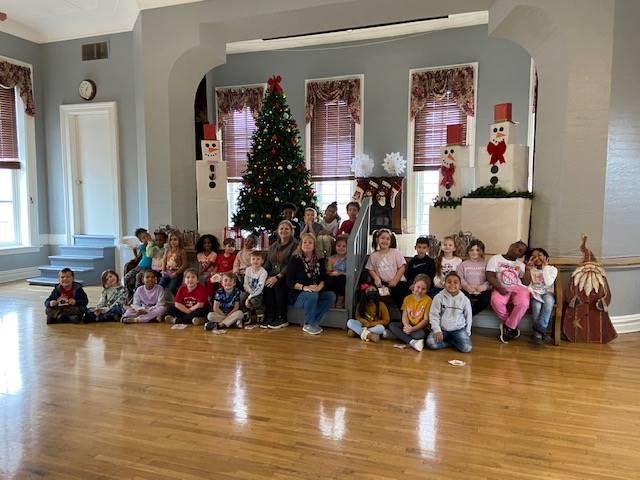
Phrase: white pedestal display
[444,221]
[211,188]
[498,222]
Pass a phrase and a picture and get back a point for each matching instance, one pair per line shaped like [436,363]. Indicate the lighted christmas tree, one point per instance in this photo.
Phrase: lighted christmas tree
[276,173]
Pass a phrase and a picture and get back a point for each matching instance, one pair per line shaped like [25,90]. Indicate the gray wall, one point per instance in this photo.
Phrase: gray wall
[503,76]
[114,78]
[622,202]
[25,51]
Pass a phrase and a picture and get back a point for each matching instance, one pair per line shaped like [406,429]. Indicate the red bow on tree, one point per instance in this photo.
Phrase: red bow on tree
[447,175]
[496,152]
[274,84]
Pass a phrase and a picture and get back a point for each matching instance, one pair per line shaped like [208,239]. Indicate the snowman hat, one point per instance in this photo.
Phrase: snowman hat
[454,134]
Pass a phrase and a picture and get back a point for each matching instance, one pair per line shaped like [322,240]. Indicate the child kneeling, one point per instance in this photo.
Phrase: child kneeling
[226,305]
[372,316]
[148,301]
[450,317]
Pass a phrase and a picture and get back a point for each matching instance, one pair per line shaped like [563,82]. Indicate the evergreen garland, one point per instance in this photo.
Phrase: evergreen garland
[497,192]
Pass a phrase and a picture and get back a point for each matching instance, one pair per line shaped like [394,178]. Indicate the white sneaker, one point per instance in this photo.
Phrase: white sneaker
[417,345]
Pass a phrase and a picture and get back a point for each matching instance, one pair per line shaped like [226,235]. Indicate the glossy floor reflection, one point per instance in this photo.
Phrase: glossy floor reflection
[147,402]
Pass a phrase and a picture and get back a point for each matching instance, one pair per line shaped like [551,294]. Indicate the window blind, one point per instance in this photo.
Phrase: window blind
[236,142]
[430,132]
[8,131]
[333,141]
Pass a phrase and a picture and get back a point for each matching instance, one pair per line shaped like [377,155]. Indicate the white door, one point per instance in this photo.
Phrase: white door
[91,162]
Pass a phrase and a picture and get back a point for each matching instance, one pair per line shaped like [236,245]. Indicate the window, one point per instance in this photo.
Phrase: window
[9,170]
[236,142]
[428,135]
[333,139]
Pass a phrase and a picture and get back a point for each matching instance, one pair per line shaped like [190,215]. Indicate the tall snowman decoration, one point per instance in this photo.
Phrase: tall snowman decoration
[456,174]
[503,163]
[211,183]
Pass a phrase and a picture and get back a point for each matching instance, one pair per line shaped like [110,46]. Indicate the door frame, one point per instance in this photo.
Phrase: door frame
[69,115]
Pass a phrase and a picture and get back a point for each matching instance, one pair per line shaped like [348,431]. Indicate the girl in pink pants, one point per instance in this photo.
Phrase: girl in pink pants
[148,302]
[508,276]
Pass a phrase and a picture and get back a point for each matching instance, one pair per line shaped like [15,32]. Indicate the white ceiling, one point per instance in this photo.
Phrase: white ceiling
[44,21]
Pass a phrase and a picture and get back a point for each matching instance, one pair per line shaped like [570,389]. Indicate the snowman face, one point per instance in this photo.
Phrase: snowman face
[448,156]
[210,150]
[501,132]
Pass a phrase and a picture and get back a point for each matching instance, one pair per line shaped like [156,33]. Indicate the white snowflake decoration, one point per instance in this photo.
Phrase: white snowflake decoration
[394,164]
[362,165]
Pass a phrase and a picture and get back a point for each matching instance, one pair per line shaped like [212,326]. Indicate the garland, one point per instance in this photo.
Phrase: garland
[448,202]
[497,192]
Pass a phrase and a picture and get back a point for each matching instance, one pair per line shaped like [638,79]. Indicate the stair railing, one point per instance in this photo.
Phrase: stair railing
[357,248]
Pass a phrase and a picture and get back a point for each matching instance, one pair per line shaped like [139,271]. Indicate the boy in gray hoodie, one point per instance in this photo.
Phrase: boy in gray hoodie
[450,317]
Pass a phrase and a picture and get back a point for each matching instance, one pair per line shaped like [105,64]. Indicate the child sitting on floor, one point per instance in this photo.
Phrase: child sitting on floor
[473,278]
[111,305]
[421,262]
[148,302]
[255,277]
[372,316]
[226,305]
[543,277]
[243,258]
[67,302]
[337,271]
[415,315]
[191,305]
[386,266]
[352,212]
[445,263]
[450,317]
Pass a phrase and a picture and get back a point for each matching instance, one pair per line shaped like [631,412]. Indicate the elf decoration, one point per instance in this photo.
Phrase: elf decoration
[276,171]
[586,314]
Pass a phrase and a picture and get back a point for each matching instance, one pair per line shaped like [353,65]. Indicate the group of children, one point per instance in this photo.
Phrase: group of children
[437,298]
[445,294]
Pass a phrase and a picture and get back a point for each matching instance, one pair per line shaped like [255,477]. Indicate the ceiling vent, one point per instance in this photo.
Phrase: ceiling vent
[95,51]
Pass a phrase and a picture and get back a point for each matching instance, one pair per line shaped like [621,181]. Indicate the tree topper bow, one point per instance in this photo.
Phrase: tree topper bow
[274,84]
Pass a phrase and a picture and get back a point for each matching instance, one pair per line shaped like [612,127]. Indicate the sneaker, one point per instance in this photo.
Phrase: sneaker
[312,329]
[277,324]
[503,337]
[197,321]
[417,345]
[160,319]
[507,334]
[239,323]
[265,323]
[515,332]
[130,320]
[536,339]
[209,326]
[170,319]
[351,333]
[373,337]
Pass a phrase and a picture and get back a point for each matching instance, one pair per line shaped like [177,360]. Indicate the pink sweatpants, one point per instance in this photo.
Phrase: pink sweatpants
[519,297]
[152,314]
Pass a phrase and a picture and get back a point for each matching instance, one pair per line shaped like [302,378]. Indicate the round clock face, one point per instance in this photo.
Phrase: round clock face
[87,89]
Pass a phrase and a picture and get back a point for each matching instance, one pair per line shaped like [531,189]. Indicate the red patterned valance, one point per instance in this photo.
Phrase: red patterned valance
[436,83]
[12,75]
[237,99]
[347,90]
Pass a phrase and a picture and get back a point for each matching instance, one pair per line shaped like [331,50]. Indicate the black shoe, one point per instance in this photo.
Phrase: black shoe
[51,321]
[265,323]
[507,334]
[279,323]
[209,326]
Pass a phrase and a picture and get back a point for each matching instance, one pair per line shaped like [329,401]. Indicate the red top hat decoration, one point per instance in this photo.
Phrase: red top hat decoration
[502,112]
[454,134]
[209,131]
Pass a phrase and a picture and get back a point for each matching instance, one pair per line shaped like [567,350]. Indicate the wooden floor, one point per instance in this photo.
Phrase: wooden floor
[147,402]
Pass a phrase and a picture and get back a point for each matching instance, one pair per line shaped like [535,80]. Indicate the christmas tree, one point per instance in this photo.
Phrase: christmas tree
[276,173]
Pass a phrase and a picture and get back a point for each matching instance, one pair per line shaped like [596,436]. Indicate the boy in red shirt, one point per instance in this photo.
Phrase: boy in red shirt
[191,305]
[67,302]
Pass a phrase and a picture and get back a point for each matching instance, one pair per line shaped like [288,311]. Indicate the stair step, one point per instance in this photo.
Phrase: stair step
[73,261]
[83,250]
[47,281]
[55,269]
[94,240]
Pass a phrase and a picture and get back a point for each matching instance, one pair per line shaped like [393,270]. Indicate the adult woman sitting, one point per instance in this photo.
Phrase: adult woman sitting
[275,291]
[306,277]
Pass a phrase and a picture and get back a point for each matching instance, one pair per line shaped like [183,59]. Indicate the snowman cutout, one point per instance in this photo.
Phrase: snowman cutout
[496,148]
[448,170]
[211,155]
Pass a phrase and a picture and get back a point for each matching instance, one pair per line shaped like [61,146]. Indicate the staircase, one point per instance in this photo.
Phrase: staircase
[88,257]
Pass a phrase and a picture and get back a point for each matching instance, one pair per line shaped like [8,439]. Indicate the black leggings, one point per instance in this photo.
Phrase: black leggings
[337,284]
[187,318]
[479,301]
[276,300]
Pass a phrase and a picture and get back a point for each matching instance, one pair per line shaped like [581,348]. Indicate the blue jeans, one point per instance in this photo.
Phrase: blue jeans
[541,312]
[315,305]
[457,339]
[356,326]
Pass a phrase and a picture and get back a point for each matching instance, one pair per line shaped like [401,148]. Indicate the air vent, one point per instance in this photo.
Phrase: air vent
[95,51]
